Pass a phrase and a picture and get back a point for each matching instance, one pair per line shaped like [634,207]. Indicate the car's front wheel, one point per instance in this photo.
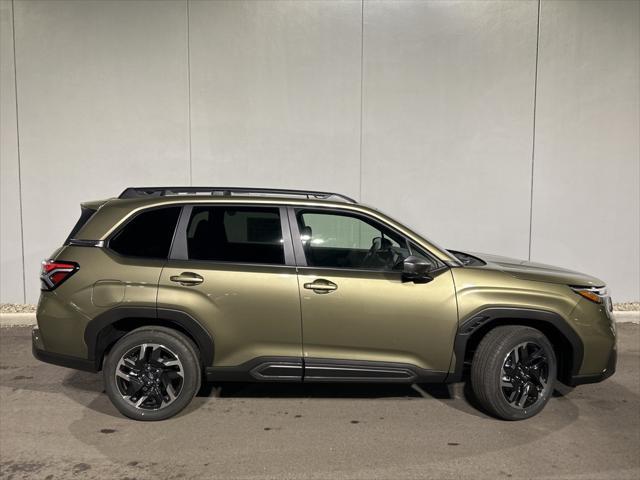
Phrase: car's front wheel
[152,373]
[513,372]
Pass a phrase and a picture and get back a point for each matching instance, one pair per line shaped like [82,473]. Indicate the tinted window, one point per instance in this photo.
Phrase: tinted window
[148,235]
[235,234]
[341,240]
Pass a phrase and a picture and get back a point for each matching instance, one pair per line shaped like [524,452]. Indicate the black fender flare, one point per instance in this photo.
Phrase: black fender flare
[497,316]
[97,343]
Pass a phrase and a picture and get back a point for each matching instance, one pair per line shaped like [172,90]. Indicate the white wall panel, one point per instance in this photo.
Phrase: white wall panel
[276,94]
[275,88]
[11,280]
[586,202]
[103,103]
[448,112]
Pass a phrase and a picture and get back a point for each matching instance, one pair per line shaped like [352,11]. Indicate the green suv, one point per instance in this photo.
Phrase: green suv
[161,288]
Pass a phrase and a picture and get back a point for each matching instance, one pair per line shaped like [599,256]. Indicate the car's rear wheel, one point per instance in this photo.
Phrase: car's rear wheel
[513,372]
[152,373]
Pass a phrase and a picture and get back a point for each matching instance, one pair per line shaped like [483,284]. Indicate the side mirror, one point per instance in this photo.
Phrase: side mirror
[416,268]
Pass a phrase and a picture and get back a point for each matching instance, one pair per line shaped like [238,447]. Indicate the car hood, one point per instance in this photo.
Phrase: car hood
[540,272]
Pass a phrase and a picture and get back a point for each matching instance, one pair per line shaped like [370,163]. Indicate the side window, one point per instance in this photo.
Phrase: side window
[235,234]
[341,240]
[148,234]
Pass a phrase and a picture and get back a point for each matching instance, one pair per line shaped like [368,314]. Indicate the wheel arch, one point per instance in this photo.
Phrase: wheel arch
[567,344]
[107,328]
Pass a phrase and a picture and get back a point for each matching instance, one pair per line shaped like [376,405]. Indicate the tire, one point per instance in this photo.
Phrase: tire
[513,372]
[156,384]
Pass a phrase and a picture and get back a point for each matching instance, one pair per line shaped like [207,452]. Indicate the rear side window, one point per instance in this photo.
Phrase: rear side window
[235,234]
[148,235]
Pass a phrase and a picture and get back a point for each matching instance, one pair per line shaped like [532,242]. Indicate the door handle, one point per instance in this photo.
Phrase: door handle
[187,278]
[321,286]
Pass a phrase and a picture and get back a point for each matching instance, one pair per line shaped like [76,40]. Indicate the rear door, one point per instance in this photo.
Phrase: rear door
[232,269]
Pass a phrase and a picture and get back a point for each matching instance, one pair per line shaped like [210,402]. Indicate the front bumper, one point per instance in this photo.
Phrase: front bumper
[597,377]
[59,359]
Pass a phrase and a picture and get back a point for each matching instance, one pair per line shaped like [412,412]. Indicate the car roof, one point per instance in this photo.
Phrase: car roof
[142,192]
[116,211]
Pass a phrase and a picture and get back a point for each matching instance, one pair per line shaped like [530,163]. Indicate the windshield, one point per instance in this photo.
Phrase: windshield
[451,255]
[466,259]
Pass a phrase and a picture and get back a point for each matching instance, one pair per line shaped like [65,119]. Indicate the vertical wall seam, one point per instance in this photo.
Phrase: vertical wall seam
[361,95]
[533,135]
[15,88]
[189,90]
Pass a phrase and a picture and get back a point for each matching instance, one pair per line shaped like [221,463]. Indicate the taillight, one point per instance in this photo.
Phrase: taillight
[55,272]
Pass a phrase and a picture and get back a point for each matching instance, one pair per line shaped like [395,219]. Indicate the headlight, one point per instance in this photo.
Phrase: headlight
[595,294]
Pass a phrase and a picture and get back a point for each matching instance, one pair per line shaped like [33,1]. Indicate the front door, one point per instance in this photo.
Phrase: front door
[361,320]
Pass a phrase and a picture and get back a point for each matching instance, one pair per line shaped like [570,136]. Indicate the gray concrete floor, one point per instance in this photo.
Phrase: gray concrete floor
[58,423]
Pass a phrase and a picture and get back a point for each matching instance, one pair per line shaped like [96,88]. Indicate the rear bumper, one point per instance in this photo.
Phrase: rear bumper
[41,354]
[597,377]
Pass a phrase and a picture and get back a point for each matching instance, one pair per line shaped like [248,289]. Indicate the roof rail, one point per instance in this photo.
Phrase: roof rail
[140,192]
